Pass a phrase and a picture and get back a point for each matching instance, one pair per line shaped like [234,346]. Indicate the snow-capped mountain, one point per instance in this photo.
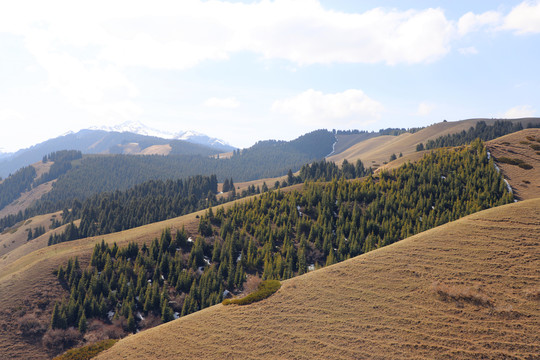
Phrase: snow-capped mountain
[113,140]
[198,138]
[195,137]
[136,127]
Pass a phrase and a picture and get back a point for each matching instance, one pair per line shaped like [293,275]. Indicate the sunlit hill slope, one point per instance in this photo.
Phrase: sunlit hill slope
[465,290]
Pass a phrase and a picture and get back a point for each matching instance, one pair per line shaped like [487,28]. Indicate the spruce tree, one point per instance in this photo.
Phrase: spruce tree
[131,325]
[82,324]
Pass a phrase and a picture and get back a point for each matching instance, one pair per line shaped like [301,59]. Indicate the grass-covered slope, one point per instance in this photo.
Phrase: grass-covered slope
[376,151]
[464,290]
[522,147]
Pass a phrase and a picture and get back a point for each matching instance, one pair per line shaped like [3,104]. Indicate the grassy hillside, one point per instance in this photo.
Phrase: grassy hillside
[28,286]
[377,151]
[524,146]
[26,199]
[17,236]
[464,290]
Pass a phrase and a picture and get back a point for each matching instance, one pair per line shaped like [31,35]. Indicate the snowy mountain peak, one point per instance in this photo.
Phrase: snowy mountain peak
[137,127]
[185,135]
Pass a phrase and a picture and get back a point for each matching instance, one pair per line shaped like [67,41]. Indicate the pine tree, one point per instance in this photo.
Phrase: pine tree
[82,324]
[58,319]
[131,325]
[166,313]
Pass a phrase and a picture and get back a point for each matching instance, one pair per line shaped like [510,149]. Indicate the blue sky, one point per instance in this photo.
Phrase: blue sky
[251,70]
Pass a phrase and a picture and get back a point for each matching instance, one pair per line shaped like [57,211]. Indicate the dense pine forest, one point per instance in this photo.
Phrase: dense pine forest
[149,202]
[326,170]
[95,174]
[61,164]
[276,235]
[98,174]
[158,200]
[14,185]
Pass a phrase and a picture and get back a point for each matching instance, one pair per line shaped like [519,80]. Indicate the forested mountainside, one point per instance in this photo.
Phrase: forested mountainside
[158,200]
[107,173]
[277,234]
[152,201]
[465,290]
[13,186]
[96,142]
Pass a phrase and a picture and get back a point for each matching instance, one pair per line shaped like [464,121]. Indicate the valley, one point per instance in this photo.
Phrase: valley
[383,284]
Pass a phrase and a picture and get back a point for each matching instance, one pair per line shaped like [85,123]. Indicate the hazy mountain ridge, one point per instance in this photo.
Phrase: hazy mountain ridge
[94,141]
[191,136]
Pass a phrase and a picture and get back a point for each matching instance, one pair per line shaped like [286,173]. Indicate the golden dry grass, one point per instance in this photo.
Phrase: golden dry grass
[378,150]
[226,155]
[26,278]
[14,239]
[21,247]
[525,183]
[347,140]
[382,305]
[42,168]
[157,150]
[27,198]
[413,157]
[245,184]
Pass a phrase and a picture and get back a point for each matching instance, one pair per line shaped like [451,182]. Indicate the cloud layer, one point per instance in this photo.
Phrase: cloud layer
[224,103]
[345,109]
[517,112]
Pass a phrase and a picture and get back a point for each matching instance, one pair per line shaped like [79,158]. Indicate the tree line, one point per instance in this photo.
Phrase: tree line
[61,164]
[25,178]
[480,131]
[277,235]
[150,202]
[14,185]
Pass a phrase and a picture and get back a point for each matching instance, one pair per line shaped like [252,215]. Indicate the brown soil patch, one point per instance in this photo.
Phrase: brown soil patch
[383,305]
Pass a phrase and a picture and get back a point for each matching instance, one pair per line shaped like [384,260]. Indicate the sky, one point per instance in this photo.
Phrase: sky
[244,71]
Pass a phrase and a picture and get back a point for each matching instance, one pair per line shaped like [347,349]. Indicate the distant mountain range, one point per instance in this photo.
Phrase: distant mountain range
[126,138]
[139,128]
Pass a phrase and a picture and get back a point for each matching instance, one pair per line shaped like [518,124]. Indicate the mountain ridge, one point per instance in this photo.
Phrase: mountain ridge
[100,141]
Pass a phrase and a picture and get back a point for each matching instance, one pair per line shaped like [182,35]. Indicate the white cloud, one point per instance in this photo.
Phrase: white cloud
[424,109]
[173,34]
[471,50]
[524,18]
[471,22]
[349,108]
[517,112]
[225,103]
